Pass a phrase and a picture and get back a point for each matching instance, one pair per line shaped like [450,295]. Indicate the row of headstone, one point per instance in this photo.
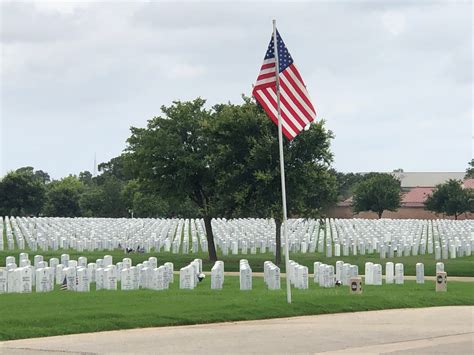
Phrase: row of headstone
[16,280]
[327,276]
[333,237]
[105,234]
[298,275]
[393,273]
[77,275]
[271,275]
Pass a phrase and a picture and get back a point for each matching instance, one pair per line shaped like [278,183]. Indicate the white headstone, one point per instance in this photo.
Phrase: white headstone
[127,280]
[187,277]
[83,281]
[53,262]
[71,276]
[43,280]
[420,273]
[110,278]
[245,275]
[153,262]
[399,277]
[169,272]
[82,261]
[316,271]
[99,278]
[377,275]
[439,267]
[369,272]
[389,273]
[64,259]
[59,274]
[108,260]
[25,279]
[37,259]
[91,270]
[3,280]
[127,263]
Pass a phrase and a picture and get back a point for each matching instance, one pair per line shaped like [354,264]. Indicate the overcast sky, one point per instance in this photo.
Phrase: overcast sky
[393,80]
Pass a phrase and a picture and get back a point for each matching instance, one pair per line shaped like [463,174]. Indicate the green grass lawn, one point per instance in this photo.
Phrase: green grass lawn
[64,312]
[454,267]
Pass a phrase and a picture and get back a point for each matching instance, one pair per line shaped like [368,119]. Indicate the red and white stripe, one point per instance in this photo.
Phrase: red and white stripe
[295,104]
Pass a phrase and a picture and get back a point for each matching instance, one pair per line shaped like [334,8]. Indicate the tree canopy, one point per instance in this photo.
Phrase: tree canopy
[21,193]
[451,199]
[173,158]
[377,192]
[225,161]
[470,170]
[62,198]
[248,167]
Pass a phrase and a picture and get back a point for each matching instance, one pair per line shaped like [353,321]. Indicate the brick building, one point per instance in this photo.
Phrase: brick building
[416,186]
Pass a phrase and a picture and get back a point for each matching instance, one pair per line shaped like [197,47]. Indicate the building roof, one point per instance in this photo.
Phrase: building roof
[416,196]
[468,184]
[426,179]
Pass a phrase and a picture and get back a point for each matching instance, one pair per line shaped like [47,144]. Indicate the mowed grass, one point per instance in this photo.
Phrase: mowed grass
[64,312]
[454,267]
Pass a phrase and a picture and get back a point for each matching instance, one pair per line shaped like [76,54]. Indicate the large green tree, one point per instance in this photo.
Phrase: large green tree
[21,194]
[377,192]
[346,183]
[172,158]
[226,161]
[62,197]
[470,170]
[141,203]
[103,197]
[451,199]
[248,167]
[40,175]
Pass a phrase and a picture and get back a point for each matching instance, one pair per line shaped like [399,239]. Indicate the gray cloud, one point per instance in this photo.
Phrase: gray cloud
[392,80]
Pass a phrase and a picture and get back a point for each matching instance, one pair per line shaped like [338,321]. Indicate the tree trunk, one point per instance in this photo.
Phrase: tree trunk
[278,242]
[211,248]
[455,216]
[380,214]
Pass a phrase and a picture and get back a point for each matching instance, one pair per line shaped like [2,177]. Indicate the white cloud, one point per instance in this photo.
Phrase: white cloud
[394,22]
[186,71]
[392,80]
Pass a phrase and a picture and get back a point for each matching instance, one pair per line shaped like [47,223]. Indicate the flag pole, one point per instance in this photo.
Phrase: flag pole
[282,163]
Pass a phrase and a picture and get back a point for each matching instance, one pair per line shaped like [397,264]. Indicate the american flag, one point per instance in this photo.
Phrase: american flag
[295,104]
[64,284]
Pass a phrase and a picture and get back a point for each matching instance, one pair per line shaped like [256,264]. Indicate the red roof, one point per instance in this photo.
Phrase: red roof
[416,196]
[468,184]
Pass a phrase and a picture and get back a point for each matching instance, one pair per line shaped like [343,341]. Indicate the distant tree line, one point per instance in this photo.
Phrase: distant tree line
[110,194]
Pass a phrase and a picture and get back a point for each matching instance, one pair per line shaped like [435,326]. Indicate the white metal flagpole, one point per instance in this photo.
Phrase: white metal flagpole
[282,163]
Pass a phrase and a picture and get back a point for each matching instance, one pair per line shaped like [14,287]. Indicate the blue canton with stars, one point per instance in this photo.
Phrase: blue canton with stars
[284,57]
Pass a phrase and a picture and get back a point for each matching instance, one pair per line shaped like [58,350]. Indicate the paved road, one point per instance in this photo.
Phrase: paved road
[440,330]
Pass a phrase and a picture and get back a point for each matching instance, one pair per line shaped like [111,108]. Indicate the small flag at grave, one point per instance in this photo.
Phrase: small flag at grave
[64,284]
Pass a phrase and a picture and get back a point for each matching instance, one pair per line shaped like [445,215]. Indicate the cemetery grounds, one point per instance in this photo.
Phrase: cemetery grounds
[62,312]
[29,315]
